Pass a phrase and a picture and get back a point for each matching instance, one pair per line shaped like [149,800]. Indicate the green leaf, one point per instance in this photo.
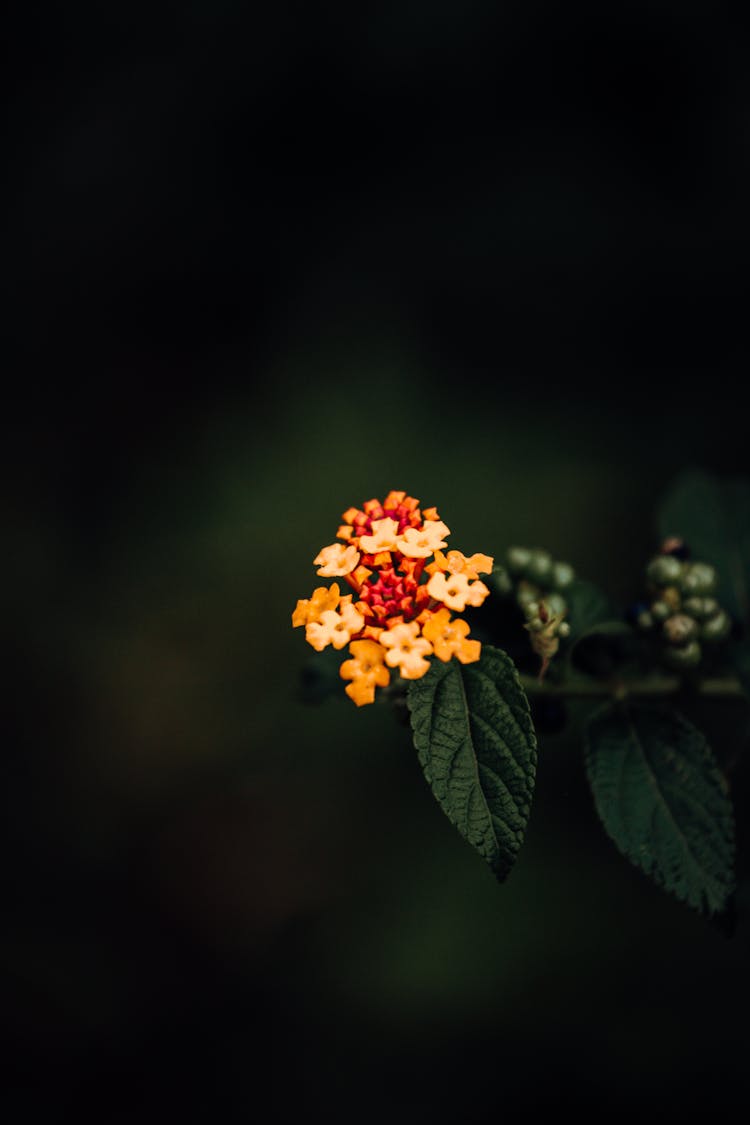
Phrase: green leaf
[663,800]
[712,515]
[476,745]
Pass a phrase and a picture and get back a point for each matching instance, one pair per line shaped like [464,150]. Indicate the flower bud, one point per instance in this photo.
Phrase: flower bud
[526,593]
[539,568]
[660,611]
[562,575]
[700,608]
[555,603]
[517,559]
[664,570]
[698,578]
[680,628]
[716,628]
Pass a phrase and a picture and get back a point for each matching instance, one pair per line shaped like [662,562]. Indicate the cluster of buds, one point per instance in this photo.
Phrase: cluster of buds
[537,581]
[400,610]
[682,610]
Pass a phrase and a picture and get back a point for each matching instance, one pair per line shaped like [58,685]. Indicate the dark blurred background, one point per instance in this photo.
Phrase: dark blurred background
[262,264]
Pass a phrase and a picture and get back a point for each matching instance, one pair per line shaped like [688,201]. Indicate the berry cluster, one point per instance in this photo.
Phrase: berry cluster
[400,610]
[537,582]
[682,611]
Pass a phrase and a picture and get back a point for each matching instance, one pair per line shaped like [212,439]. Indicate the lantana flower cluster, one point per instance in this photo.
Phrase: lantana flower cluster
[400,610]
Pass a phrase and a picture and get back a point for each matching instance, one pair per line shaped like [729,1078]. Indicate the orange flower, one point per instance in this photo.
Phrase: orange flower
[456,591]
[366,670]
[335,628]
[310,609]
[407,650]
[420,543]
[448,638]
[391,620]
[457,563]
[336,561]
[384,537]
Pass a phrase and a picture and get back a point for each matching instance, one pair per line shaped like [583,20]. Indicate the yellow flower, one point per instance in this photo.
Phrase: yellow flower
[337,560]
[418,543]
[384,537]
[334,628]
[366,671]
[406,650]
[449,638]
[456,591]
[310,609]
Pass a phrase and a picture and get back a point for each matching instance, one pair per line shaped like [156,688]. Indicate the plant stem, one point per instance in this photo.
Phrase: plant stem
[657,686]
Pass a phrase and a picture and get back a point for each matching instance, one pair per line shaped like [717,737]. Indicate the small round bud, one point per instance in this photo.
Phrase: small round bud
[531,609]
[644,620]
[716,628]
[563,629]
[526,593]
[555,603]
[680,628]
[664,570]
[562,575]
[698,578]
[501,580]
[700,608]
[660,611]
[536,624]
[671,595]
[517,559]
[539,568]
[687,656]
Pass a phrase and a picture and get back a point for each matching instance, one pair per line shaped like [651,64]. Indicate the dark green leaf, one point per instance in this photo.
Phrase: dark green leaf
[712,515]
[663,800]
[477,747]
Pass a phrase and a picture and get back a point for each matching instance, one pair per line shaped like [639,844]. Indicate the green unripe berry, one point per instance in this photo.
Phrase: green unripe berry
[531,609]
[687,656]
[562,575]
[644,620]
[526,593]
[717,628]
[660,611]
[539,567]
[501,580]
[563,629]
[698,578]
[555,603]
[679,629]
[664,570]
[517,559]
[701,608]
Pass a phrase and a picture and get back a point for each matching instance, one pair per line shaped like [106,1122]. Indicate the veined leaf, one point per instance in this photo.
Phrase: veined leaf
[663,800]
[476,745]
[712,515]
